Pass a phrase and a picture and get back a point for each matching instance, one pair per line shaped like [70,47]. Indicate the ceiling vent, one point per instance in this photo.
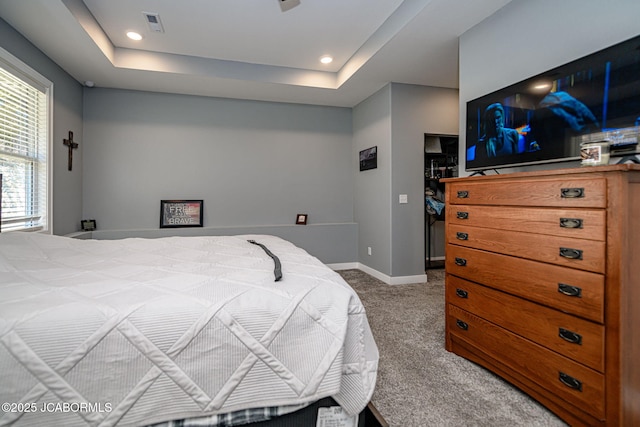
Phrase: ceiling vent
[153,21]
[288,4]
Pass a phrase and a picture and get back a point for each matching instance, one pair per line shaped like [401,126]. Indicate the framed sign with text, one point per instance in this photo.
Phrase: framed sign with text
[88,224]
[180,213]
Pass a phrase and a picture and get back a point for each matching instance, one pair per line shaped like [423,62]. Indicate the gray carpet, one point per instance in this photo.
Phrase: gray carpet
[419,382]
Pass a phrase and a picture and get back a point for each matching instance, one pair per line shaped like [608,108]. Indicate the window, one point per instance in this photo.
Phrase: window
[24,146]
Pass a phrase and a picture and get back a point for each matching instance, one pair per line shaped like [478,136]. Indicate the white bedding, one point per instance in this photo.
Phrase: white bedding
[137,331]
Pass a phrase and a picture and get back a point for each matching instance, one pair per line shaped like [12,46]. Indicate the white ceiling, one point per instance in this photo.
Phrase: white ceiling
[250,49]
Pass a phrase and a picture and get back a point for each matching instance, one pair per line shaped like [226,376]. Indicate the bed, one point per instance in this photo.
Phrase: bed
[135,331]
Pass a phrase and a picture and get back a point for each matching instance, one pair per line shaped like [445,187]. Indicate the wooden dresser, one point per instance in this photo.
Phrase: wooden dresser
[543,286]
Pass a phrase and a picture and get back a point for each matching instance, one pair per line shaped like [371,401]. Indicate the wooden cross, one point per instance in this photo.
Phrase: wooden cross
[69,143]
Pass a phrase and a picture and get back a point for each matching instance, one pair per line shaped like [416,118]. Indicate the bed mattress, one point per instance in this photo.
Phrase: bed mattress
[137,331]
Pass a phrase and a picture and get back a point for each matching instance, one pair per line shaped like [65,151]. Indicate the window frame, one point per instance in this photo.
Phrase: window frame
[20,69]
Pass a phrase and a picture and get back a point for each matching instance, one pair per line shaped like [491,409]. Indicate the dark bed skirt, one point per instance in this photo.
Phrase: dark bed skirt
[307,417]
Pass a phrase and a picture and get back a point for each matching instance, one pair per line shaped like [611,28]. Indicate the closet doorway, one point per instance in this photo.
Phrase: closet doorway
[440,161]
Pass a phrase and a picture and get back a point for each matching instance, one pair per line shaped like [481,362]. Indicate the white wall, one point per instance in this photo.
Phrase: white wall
[527,37]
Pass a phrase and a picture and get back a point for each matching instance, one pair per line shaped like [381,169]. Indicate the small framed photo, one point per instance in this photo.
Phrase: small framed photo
[88,224]
[369,158]
[301,219]
[180,213]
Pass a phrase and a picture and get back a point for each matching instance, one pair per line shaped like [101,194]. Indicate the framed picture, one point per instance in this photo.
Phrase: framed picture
[301,219]
[180,213]
[88,224]
[369,158]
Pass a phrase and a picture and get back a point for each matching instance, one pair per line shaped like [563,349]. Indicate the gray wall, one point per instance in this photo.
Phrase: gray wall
[255,164]
[67,116]
[416,110]
[528,37]
[396,119]
[372,127]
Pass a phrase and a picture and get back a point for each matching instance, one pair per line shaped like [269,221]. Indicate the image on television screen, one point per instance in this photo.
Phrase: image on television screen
[545,118]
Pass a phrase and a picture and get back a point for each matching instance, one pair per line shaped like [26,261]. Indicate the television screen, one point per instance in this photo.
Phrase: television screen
[545,118]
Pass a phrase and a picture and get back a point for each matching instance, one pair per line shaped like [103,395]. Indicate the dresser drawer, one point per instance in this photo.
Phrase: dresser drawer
[566,251]
[571,336]
[572,291]
[568,380]
[565,193]
[587,224]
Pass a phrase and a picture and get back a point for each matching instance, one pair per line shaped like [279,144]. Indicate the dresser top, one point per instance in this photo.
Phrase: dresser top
[625,167]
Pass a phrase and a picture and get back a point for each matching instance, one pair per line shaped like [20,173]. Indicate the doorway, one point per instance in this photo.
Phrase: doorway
[440,161]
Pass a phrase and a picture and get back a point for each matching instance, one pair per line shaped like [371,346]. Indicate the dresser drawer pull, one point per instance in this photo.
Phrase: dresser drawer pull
[571,223]
[572,193]
[571,253]
[461,262]
[572,337]
[462,215]
[570,291]
[461,293]
[462,236]
[462,325]
[463,194]
[570,382]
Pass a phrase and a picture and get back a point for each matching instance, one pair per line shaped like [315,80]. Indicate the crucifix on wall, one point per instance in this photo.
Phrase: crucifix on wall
[71,144]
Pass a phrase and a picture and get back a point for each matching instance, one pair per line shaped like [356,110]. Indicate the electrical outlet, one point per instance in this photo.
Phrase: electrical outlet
[369,250]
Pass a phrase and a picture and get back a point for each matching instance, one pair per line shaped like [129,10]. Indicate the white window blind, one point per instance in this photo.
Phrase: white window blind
[23,150]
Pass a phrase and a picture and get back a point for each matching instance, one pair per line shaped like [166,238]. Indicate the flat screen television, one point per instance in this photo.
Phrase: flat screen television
[545,118]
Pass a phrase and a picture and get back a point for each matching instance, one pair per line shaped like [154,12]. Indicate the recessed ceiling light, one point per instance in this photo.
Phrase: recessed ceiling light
[326,59]
[134,36]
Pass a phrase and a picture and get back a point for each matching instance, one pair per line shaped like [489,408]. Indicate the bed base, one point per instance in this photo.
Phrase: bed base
[307,417]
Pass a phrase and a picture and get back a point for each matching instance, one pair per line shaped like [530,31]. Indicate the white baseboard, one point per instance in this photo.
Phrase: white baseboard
[399,280]
[84,235]
[408,280]
[344,266]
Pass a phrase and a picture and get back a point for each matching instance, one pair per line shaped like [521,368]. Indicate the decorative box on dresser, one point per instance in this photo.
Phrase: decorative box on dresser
[543,286]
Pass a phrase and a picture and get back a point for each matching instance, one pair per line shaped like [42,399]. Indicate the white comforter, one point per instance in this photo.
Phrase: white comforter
[136,331]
